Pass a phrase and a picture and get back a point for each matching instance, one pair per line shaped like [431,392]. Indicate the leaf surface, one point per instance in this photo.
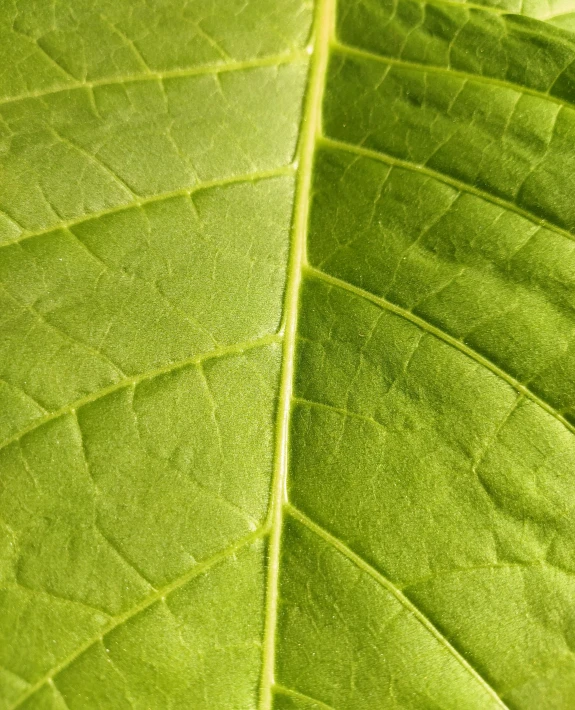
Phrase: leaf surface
[286,355]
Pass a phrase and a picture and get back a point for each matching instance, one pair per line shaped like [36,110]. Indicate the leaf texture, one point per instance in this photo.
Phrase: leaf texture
[287,401]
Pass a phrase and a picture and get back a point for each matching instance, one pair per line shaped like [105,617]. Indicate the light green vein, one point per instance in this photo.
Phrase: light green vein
[282,690]
[448,180]
[544,28]
[338,410]
[310,129]
[396,592]
[442,335]
[58,694]
[570,13]
[230,350]
[161,197]
[468,6]
[219,68]
[158,595]
[435,69]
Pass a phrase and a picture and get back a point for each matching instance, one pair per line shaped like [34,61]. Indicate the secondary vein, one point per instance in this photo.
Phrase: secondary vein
[379,155]
[282,690]
[72,407]
[359,562]
[446,337]
[367,55]
[158,595]
[282,170]
[219,68]
[310,130]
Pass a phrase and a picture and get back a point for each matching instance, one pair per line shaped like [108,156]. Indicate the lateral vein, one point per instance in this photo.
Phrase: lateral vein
[158,595]
[397,593]
[218,68]
[161,197]
[447,179]
[442,335]
[235,349]
[360,53]
[282,690]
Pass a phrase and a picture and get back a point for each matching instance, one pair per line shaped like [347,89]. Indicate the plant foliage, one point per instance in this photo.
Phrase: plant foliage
[287,355]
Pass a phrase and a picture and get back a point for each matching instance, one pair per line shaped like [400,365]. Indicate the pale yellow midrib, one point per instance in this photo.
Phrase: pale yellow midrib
[310,130]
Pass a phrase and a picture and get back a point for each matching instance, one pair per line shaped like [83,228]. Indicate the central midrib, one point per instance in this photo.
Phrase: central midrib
[310,131]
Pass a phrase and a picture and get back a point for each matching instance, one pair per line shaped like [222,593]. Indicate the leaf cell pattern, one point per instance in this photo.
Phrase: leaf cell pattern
[287,356]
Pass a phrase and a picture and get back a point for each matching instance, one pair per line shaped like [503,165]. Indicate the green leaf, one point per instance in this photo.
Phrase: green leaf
[287,356]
